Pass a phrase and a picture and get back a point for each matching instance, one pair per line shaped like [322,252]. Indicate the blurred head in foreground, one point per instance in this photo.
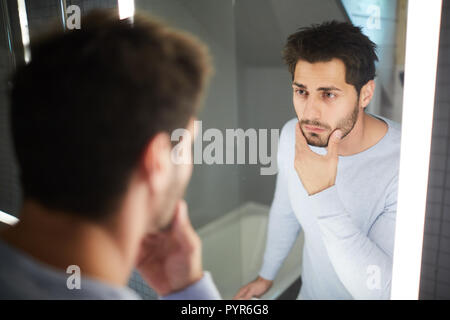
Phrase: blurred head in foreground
[92,115]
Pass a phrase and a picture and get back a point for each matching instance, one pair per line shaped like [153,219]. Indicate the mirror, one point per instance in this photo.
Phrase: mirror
[249,101]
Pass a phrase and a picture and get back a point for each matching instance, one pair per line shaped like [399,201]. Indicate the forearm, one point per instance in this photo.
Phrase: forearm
[283,230]
[362,266]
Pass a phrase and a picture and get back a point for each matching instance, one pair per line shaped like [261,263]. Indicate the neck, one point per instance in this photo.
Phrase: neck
[60,239]
[366,133]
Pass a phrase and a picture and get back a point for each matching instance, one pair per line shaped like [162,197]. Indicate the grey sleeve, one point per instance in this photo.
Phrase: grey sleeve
[204,289]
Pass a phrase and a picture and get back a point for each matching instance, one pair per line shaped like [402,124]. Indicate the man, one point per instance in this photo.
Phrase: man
[338,172]
[91,118]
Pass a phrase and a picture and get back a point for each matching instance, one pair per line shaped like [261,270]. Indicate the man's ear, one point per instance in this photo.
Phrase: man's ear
[366,94]
[156,161]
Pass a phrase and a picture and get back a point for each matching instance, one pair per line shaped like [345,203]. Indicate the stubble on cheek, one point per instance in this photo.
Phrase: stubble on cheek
[316,139]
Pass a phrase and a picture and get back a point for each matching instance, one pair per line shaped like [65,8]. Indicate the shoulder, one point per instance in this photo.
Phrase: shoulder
[394,143]
[396,130]
[392,139]
[389,159]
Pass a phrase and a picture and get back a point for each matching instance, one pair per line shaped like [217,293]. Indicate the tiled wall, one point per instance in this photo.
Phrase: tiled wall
[435,277]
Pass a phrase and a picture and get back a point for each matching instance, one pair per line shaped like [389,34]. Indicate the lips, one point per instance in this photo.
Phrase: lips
[314,129]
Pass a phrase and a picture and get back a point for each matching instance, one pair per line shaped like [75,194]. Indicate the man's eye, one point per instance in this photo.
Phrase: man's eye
[300,92]
[329,95]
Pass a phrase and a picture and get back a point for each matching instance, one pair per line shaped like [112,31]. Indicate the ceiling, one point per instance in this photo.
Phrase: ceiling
[262,26]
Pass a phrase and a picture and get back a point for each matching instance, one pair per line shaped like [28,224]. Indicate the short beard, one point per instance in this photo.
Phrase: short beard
[346,125]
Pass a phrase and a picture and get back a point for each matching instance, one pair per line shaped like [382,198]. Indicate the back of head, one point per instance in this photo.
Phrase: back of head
[90,100]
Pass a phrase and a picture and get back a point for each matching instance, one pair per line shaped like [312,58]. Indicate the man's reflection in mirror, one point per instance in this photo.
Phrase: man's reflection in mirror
[338,171]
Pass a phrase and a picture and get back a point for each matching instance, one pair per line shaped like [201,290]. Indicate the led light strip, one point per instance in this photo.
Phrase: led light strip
[126,9]
[422,44]
[23,20]
[7,218]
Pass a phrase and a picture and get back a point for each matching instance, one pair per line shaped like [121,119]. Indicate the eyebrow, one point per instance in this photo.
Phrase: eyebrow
[331,88]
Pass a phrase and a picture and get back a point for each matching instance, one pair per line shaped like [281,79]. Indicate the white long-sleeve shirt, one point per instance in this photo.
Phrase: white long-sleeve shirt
[349,228]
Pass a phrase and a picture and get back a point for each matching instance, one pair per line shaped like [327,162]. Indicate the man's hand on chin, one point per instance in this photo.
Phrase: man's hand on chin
[170,261]
[317,172]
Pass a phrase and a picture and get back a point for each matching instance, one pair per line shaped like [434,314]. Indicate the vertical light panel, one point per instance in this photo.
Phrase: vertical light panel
[126,9]
[23,20]
[63,8]
[422,44]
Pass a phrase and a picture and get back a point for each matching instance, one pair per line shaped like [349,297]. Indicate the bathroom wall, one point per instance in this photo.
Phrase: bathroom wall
[381,21]
[213,189]
[435,276]
[265,103]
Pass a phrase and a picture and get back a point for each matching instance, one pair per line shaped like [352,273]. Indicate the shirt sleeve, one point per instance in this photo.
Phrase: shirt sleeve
[283,226]
[204,289]
[363,262]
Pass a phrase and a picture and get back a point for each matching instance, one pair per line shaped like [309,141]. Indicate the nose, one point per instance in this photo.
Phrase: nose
[312,109]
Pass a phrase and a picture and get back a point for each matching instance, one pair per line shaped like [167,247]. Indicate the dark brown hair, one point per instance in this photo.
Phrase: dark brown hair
[89,102]
[341,40]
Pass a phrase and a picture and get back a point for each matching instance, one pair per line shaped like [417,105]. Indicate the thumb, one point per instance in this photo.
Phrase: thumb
[181,219]
[182,229]
[333,143]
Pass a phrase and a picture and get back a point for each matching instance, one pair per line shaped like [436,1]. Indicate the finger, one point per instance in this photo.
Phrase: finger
[148,248]
[149,242]
[248,295]
[142,256]
[333,143]
[181,217]
[180,209]
[241,293]
[182,229]
[237,295]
